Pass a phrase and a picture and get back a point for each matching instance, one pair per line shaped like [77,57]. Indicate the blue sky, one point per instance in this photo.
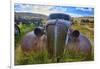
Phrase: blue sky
[42,9]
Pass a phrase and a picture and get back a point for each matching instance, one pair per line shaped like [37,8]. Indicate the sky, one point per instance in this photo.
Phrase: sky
[46,9]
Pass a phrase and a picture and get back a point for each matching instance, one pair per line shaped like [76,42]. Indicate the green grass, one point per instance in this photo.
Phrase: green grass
[22,58]
[30,58]
[24,28]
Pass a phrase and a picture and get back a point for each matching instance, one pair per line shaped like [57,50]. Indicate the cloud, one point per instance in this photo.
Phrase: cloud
[59,8]
[22,8]
[74,15]
[85,9]
[42,9]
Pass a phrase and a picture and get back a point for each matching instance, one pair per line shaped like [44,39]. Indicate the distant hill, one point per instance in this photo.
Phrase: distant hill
[84,17]
[87,19]
[30,15]
[80,18]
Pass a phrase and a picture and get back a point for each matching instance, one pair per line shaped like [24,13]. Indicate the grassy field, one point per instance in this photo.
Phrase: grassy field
[42,57]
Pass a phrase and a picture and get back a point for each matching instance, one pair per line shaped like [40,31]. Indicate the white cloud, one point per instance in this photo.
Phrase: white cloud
[84,9]
[46,10]
[61,9]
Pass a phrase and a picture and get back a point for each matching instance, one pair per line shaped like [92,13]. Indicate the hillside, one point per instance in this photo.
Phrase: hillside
[30,15]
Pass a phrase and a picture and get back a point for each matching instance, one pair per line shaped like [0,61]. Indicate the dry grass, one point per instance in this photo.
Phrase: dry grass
[42,57]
